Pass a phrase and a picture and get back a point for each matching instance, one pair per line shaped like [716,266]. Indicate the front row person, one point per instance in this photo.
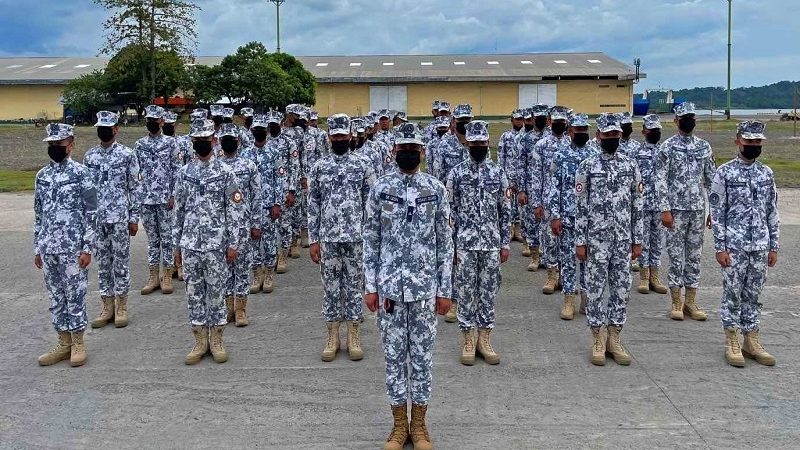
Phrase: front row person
[209,230]
[408,258]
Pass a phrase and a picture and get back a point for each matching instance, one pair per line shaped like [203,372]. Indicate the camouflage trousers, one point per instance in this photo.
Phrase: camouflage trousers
[608,261]
[684,247]
[113,258]
[478,280]
[342,272]
[530,225]
[264,251]
[239,273]
[515,209]
[653,238]
[287,223]
[549,246]
[205,274]
[567,259]
[408,334]
[66,285]
[301,218]
[742,284]
[157,220]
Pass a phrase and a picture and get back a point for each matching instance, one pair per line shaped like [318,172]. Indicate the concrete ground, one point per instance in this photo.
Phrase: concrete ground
[135,391]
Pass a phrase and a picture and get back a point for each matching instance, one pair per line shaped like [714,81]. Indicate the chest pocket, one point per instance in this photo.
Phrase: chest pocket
[425,206]
[392,209]
[118,171]
[69,194]
[492,187]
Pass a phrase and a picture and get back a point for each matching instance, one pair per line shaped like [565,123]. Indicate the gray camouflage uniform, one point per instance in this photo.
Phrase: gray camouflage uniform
[653,229]
[527,166]
[507,158]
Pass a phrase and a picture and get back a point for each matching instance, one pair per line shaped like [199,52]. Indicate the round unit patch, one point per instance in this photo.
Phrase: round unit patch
[237,197]
[640,188]
[579,188]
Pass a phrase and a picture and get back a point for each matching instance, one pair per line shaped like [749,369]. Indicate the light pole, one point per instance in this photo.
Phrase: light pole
[728,109]
[278,4]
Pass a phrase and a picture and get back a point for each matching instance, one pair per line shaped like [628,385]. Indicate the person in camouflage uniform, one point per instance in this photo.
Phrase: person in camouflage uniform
[309,144]
[385,133]
[535,126]
[269,154]
[653,232]
[158,165]
[372,152]
[293,215]
[608,232]
[507,159]
[430,130]
[373,125]
[339,184]
[538,181]
[115,174]
[561,202]
[168,129]
[185,150]
[628,147]
[408,258]
[480,202]
[746,229]
[64,206]
[245,135]
[209,230]
[442,126]
[249,181]
[684,171]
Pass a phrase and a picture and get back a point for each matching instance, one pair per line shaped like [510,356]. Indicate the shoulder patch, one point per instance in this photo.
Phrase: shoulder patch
[640,187]
[281,170]
[579,187]
[237,197]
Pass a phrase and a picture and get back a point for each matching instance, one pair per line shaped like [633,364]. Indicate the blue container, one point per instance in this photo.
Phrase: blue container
[641,107]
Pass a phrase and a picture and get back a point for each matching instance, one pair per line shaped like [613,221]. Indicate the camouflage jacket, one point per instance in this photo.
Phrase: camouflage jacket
[447,152]
[249,181]
[507,156]
[374,153]
[684,166]
[158,164]
[645,156]
[628,147]
[65,208]
[273,176]
[115,173]
[527,159]
[561,200]
[312,150]
[539,174]
[295,138]
[387,137]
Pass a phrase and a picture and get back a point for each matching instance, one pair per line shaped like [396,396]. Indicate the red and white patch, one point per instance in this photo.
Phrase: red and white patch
[579,188]
[295,154]
[237,197]
[281,171]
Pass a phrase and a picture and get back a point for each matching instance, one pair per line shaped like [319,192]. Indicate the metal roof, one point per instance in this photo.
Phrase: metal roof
[369,69]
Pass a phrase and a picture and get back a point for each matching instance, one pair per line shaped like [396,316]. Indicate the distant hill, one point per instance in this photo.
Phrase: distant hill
[773,96]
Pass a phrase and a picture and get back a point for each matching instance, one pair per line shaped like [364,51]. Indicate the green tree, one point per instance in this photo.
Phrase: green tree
[86,94]
[156,26]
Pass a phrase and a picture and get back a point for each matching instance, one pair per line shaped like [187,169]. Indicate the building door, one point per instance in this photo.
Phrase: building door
[531,94]
[387,97]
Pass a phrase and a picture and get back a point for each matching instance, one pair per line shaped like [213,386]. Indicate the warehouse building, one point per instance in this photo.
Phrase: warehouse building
[493,84]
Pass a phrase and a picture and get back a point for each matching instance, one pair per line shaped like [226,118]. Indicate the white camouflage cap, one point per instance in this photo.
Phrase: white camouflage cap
[462,110]
[435,104]
[442,121]
[607,122]
[625,117]
[559,113]
[444,106]
[228,129]
[199,113]
[313,115]
[339,124]
[170,117]
[217,110]
[540,109]
[58,132]
[652,121]
[477,131]
[154,112]
[401,115]
[517,114]
[384,113]
[408,133]
[579,120]
[246,112]
[358,125]
[751,129]
[106,119]
[684,109]
[228,113]
[202,128]
[275,117]
[260,121]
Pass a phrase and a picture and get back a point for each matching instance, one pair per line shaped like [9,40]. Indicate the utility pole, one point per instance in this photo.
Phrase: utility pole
[794,98]
[278,4]
[728,109]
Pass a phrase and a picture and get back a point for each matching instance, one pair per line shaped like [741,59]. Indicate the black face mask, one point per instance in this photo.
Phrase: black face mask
[627,130]
[516,128]
[229,145]
[202,148]
[408,160]
[340,147]
[360,141]
[751,152]
[168,129]
[259,134]
[686,124]
[217,120]
[461,127]
[106,134]
[559,128]
[653,136]
[153,127]
[540,122]
[441,133]
[248,122]
[274,129]
[352,144]
[609,146]
[227,120]
[478,152]
[57,152]
[301,123]
[529,127]
[580,139]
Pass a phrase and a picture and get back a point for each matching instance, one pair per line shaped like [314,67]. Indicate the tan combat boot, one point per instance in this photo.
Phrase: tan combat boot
[216,345]
[229,308]
[533,266]
[552,281]
[106,313]
[752,349]
[304,238]
[255,285]
[582,308]
[240,307]
[452,313]
[166,280]
[152,282]
[468,349]
[568,310]
[121,311]
[59,352]
[484,347]
[516,233]
[526,251]
[655,282]
[294,249]
[200,348]
[644,280]
[268,281]
[615,348]
[399,435]
[419,431]
[691,308]
[599,346]
[332,344]
[635,266]
[733,350]
[677,304]
[77,357]
[283,264]
[354,341]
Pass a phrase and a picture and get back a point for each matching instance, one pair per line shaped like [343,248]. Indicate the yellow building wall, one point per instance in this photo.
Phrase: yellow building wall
[596,96]
[30,101]
[349,98]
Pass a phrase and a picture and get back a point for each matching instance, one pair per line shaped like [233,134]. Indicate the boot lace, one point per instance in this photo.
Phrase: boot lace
[598,342]
[399,432]
[486,344]
[733,339]
[354,337]
[468,345]
[419,431]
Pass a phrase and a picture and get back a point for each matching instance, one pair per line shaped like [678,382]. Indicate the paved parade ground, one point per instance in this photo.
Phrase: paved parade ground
[275,392]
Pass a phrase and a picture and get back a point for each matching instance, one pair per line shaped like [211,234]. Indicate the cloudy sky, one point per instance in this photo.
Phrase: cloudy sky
[682,43]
